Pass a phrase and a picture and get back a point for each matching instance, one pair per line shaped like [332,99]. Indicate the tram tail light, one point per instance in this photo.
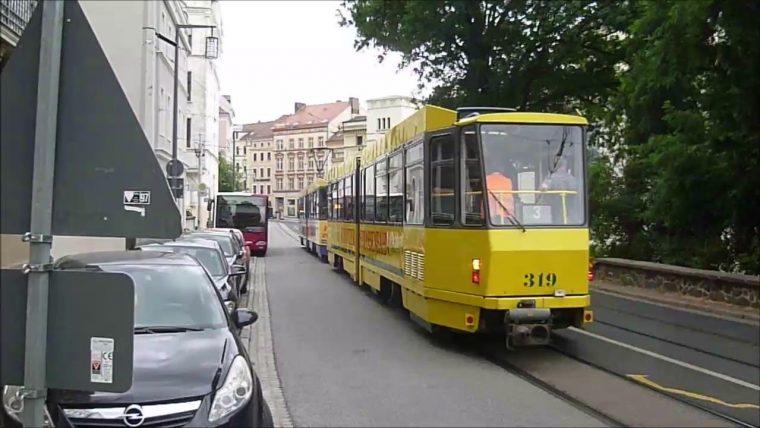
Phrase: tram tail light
[590,272]
[476,271]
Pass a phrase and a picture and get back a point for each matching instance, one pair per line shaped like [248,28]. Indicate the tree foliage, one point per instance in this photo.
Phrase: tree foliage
[227,177]
[672,87]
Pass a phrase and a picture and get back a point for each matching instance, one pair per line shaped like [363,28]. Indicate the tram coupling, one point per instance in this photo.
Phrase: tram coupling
[527,327]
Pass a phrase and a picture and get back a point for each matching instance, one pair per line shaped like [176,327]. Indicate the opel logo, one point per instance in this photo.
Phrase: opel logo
[133,416]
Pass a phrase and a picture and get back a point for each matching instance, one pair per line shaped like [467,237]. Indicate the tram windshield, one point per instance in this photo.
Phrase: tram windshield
[534,174]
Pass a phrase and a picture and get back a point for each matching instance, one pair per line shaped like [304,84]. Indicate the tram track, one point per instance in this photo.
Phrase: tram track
[498,358]
[690,403]
[611,415]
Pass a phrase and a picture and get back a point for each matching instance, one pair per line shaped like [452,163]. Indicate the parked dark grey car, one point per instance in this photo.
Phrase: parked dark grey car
[190,366]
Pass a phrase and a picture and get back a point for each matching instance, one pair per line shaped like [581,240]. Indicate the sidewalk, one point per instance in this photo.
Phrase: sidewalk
[745,314]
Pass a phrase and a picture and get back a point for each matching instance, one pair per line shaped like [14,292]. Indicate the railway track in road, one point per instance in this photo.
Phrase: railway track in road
[692,403]
[594,374]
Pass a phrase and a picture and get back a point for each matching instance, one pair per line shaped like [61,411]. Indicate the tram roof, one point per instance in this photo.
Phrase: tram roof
[524,117]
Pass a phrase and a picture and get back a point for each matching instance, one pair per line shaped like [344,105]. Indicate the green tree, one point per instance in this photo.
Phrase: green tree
[692,134]
[533,55]
[227,177]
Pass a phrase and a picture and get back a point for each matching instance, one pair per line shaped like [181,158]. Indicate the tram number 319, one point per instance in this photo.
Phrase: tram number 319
[540,280]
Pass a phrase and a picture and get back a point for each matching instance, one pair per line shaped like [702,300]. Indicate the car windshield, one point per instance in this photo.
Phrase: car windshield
[534,174]
[224,241]
[173,296]
[240,212]
[208,257]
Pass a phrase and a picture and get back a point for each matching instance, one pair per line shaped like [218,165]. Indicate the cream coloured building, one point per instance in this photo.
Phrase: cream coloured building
[310,126]
[258,151]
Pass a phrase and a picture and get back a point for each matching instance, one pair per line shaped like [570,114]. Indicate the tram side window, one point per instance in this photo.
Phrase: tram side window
[322,203]
[369,193]
[472,179]
[396,188]
[442,181]
[334,201]
[349,210]
[339,204]
[381,191]
[415,173]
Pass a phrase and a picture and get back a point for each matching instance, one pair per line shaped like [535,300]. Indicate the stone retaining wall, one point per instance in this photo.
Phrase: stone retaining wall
[737,289]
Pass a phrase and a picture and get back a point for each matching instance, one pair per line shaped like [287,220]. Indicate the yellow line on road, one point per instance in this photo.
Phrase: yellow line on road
[644,380]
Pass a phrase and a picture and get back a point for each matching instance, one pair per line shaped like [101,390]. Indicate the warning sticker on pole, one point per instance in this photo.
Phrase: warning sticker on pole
[101,360]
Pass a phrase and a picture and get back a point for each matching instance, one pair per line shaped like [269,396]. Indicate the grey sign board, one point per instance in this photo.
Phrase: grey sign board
[101,150]
[89,312]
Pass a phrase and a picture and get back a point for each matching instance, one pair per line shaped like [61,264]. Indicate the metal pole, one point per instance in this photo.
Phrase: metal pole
[234,163]
[176,107]
[40,236]
[200,175]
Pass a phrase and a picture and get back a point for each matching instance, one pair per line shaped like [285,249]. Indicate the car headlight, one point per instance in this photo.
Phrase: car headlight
[13,403]
[235,392]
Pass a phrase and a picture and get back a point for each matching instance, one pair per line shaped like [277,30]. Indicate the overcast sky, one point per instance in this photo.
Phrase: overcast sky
[278,52]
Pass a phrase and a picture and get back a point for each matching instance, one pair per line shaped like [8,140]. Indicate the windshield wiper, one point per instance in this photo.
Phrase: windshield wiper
[164,329]
[558,155]
[510,216]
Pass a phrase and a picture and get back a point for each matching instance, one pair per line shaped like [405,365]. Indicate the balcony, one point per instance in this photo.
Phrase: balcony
[14,14]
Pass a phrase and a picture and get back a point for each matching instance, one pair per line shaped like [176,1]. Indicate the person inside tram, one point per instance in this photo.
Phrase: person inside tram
[561,179]
[501,201]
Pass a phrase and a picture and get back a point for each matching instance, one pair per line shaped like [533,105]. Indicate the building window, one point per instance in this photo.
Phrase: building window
[269,156]
[359,140]
[254,157]
[189,85]
[321,141]
[245,150]
[279,164]
[311,142]
[300,183]
[262,172]
[269,189]
[245,184]
[269,172]
[291,184]
[291,163]
[300,143]
[311,163]
[291,144]
[300,164]
[379,123]
[279,144]
[189,132]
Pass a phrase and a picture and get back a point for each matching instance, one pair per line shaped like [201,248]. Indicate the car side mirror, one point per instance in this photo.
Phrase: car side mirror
[238,270]
[244,317]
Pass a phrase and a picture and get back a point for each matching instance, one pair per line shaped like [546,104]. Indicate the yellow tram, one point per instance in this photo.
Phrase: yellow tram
[312,218]
[473,220]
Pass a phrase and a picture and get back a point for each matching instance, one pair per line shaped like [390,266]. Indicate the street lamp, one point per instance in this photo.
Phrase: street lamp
[211,52]
[234,161]
[320,156]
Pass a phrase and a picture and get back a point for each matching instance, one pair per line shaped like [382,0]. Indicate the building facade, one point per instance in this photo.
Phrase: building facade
[127,31]
[309,127]
[226,128]
[259,156]
[385,113]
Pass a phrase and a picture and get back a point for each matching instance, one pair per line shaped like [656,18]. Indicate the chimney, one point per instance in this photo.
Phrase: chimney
[299,106]
[354,102]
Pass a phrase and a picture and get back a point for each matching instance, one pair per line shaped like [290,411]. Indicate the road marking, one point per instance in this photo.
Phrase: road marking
[650,383]
[670,360]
